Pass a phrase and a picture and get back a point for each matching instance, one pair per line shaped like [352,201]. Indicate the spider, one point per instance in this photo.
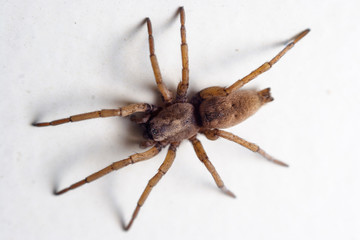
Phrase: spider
[181,118]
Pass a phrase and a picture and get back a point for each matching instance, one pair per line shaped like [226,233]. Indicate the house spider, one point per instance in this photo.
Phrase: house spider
[179,118]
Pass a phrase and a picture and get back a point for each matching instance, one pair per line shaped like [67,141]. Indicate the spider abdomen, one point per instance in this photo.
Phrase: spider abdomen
[173,123]
[230,110]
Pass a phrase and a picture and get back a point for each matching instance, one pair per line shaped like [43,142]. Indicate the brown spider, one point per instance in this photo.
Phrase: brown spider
[180,118]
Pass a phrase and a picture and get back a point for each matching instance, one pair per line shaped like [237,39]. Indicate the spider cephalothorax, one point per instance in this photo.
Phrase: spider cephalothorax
[174,123]
[182,119]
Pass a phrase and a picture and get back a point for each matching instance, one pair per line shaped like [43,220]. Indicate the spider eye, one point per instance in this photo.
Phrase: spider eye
[154,132]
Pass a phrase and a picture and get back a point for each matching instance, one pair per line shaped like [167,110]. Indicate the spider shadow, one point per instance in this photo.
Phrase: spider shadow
[171,20]
[69,160]
[223,61]
[73,160]
[114,206]
[131,64]
[117,55]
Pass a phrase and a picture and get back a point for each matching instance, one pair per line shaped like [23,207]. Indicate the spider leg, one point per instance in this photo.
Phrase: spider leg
[154,180]
[215,133]
[201,154]
[165,93]
[184,84]
[140,120]
[114,166]
[121,112]
[266,66]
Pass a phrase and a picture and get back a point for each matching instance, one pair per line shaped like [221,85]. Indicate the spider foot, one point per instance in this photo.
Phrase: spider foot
[60,192]
[271,159]
[279,163]
[44,124]
[227,192]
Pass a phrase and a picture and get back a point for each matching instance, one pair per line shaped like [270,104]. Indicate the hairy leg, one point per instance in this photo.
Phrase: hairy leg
[216,133]
[184,84]
[165,93]
[266,66]
[114,166]
[154,180]
[220,91]
[121,112]
[201,154]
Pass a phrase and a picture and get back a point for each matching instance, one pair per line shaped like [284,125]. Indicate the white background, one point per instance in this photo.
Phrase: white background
[59,58]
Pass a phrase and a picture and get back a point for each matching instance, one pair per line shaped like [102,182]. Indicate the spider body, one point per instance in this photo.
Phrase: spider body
[174,123]
[180,119]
